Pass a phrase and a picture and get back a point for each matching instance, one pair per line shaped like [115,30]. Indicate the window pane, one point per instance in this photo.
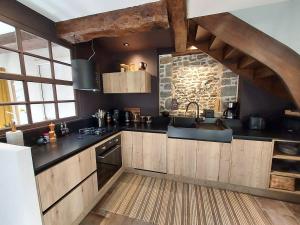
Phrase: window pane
[62,72]
[13,112]
[11,91]
[61,53]
[66,109]
[65,92]
[34,44]
[9,62]
[42,112]
[40,92]
[8,36]
[37,67]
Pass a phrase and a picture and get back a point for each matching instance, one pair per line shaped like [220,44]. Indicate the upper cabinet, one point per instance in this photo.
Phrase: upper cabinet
[127,82]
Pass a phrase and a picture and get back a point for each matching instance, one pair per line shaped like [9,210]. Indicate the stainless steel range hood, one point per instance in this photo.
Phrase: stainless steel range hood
[84,77]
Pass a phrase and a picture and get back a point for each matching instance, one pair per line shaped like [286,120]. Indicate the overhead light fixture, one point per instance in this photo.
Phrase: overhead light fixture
[126,44]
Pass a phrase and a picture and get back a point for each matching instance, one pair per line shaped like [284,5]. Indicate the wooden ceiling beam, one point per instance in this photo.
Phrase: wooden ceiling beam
[247,62]
[264,72]
[281,59]
[178,21]
[142,18]
[231,53]
[216,43]
[202,34]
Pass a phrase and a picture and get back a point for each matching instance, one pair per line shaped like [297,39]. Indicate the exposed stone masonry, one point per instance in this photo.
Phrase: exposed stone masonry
[197,78]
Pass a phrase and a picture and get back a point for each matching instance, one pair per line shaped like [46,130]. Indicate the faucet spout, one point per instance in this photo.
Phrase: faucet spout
[198,110]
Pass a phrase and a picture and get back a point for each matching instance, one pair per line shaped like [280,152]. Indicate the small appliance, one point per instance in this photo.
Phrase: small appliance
[232,111]
[257,123]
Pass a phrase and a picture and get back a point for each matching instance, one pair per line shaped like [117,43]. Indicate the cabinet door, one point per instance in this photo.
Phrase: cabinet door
[66,211]
[250,163]
[61,178]
[154,152]
[208,160]
[181,157]
[127,146]
[137,150]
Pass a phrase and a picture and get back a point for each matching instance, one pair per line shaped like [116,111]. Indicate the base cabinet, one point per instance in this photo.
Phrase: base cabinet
[69,208]
[198,159]
[145,151]
[56,181]
[251,163]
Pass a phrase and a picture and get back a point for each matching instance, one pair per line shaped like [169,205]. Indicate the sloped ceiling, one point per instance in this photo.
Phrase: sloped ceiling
[60,10]
[196,8]
[280,21]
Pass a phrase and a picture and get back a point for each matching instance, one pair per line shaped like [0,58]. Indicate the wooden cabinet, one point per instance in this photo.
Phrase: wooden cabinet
[127,82]
[66,211]
[181,157]
[213,161]
[198,159]
[55,182]
[145,151]
[250,163]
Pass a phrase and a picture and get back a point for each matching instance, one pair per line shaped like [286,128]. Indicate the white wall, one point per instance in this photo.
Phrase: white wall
[280,21]
[196,8]
[19,203]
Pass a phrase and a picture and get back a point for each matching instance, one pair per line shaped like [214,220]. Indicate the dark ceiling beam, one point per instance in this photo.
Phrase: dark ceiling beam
[118,23]
[178,21]
[278,57]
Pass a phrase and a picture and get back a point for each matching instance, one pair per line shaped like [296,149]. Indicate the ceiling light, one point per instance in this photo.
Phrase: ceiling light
[126,44]
[192,47]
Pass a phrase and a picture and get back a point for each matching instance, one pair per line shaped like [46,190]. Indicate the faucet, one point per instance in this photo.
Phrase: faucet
[198,119]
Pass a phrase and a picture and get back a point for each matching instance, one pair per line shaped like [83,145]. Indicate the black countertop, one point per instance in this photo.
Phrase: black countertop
[45,156]
[265,135]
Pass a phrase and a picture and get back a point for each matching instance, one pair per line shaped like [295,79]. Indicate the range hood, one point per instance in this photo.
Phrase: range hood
[84,77]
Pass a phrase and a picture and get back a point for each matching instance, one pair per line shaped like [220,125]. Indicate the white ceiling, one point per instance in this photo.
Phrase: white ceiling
[59,10]
[196,8]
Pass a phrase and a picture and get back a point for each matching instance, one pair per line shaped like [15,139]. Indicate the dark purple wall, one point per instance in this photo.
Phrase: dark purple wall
[254,100]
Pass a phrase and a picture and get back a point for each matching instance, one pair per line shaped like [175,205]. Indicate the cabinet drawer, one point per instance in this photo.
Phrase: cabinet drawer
[55,182]
[66,211]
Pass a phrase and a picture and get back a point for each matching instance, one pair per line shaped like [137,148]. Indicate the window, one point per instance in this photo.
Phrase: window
[35,79]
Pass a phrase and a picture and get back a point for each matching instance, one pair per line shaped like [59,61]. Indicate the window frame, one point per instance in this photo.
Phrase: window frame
[23,77]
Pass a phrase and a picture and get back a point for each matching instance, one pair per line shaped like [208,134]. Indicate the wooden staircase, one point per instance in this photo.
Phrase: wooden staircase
[247,52]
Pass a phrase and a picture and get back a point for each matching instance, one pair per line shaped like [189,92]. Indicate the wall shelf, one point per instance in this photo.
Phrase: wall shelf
[279,155]
[286,174]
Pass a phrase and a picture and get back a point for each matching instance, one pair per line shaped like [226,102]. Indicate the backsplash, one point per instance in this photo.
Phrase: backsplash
[196,77]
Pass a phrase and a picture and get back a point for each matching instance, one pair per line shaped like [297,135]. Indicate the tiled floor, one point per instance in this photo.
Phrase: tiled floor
[140,200]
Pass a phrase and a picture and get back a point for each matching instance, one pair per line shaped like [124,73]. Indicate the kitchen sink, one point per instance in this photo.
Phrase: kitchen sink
[211,129]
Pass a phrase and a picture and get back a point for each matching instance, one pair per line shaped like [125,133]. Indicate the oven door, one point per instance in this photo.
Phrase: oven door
[108,163]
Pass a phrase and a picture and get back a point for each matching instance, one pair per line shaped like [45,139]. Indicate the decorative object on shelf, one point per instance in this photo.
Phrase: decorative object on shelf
[52,135]
[132,67]
[124,68]
[143,66]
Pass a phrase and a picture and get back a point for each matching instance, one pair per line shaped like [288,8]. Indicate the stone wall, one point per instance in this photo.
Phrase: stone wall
[197,78]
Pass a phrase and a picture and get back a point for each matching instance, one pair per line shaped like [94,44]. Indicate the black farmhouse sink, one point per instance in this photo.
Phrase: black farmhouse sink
[211,129]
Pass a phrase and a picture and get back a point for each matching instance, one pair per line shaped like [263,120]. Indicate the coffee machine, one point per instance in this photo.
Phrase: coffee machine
[232,111]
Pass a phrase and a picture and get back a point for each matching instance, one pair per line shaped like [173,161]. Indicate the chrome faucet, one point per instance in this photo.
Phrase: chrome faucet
[198,119]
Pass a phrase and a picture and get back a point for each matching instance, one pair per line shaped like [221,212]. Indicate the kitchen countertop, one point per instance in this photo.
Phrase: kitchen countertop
[264,135]
[45,156]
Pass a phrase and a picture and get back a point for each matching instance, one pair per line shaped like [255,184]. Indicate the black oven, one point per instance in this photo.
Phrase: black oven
[109,160]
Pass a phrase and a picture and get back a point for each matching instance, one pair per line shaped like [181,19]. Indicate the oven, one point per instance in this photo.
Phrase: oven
[109,160]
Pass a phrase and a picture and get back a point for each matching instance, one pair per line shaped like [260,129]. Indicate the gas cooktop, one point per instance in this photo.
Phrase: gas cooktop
[94,131]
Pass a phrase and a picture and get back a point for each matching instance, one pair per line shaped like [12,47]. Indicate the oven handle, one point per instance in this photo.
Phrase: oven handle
[108,153]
